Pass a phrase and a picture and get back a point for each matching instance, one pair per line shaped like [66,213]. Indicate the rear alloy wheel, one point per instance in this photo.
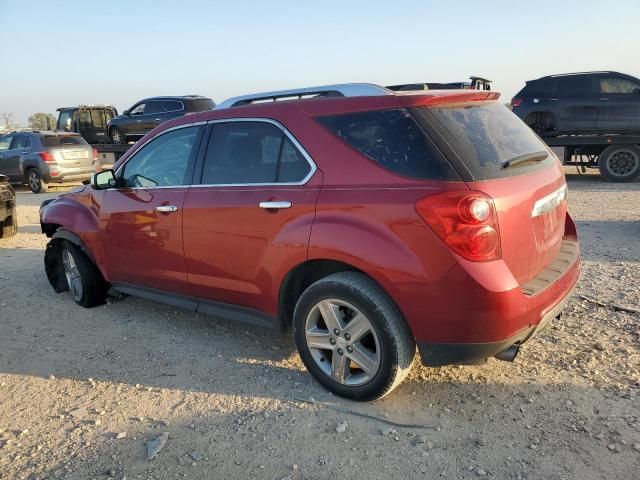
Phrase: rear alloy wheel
[35,182]
[620,163]
[116,136]
[351,336]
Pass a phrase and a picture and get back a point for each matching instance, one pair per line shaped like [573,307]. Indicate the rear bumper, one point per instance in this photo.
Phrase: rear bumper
[477,310]
[440,354]
[69,175]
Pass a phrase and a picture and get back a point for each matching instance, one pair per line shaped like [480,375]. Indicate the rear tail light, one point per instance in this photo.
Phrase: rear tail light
[46,157]
[466,221]
[515,102]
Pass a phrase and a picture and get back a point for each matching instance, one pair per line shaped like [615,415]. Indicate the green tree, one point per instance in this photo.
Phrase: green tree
[42,121]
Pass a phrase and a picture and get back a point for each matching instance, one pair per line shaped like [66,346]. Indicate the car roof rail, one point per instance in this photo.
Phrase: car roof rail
[338,90]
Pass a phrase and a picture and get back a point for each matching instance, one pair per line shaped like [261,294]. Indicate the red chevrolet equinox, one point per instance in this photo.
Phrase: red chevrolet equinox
[367,221]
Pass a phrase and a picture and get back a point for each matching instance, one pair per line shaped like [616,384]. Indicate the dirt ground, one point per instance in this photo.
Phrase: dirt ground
[81,391]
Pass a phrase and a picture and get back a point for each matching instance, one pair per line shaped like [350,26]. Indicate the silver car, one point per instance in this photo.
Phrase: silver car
[38,158]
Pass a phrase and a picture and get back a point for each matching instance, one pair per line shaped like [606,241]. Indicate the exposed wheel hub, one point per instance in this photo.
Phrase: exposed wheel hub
[622,163]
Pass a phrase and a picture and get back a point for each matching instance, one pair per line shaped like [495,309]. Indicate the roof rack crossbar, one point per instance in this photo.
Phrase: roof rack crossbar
[339,90]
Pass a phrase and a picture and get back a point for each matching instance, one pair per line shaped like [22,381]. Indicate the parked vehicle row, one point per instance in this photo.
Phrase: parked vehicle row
[370,223]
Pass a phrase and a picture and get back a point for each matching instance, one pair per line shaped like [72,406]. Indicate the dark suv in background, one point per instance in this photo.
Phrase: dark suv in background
[147,114]
[578,103]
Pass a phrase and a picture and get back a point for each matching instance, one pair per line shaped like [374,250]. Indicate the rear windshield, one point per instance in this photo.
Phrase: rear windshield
[394,140]
[61,140]
[200,105]
[483,137]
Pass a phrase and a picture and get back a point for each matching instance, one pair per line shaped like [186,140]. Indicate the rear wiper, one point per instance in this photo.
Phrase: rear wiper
[528,157]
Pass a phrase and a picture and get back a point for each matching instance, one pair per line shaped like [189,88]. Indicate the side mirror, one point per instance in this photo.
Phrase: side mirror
[103,180]
[126,112]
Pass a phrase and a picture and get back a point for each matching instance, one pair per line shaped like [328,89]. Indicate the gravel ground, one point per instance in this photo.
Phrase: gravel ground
[82,391]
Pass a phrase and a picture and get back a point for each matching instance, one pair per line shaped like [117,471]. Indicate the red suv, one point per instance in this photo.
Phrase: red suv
[368,221]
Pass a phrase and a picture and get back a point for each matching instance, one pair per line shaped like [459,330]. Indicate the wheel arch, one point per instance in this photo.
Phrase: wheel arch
[300,277]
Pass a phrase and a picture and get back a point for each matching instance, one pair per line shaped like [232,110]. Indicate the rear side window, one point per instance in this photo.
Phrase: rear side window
[155,106]
[574,85]
[538,88]
[85,120]
[200,105]
[252,153]
[394,140]
[61,140]
[172,106]
[484,136]
[97,117]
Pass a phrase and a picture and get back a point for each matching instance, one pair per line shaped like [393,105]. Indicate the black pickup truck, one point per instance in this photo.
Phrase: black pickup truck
[8,214]
[90,121]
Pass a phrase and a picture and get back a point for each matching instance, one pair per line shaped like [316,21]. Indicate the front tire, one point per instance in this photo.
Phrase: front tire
[620,163]
[35,181]
[9,227]
[351,336]
[83,280]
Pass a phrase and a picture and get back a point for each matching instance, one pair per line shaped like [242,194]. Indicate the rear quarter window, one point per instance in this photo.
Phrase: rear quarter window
[61,140]
[392,139]
[200,105]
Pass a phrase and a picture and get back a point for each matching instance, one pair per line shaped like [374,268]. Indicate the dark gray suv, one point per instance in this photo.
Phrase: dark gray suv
[38,158]
[147,114]
[580,103]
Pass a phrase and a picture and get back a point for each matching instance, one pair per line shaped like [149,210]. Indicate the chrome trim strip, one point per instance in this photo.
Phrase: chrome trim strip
[549,202]
[344,89]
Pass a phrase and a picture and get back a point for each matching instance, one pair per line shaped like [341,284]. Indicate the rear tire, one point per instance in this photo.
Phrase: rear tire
[620,163]
[35,181]
[9,227]
[116,136]
[380,339]
[83,279]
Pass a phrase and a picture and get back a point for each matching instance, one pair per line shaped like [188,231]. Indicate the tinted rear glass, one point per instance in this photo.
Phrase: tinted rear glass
[484,136]
[200,105]
[61,140]
[393,139]
[574,85]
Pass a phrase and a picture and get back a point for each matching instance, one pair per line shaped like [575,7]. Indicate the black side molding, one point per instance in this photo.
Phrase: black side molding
[200,305]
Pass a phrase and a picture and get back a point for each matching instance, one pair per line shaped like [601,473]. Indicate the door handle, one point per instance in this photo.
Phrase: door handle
[157,119]
[275,205]
[166,208]
[138,121]
[605,99]
[24,153]
[553,99]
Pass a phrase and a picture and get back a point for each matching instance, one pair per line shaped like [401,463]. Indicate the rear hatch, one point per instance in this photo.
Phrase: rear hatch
[69,151]
[497,154]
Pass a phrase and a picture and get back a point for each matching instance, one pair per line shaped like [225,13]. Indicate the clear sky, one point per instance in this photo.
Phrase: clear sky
[62,53]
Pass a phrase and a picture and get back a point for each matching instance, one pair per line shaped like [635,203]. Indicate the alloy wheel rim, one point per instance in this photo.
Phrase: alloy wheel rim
[34,181]
[622,163]
[342,342]
[116,136]
[72,274]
